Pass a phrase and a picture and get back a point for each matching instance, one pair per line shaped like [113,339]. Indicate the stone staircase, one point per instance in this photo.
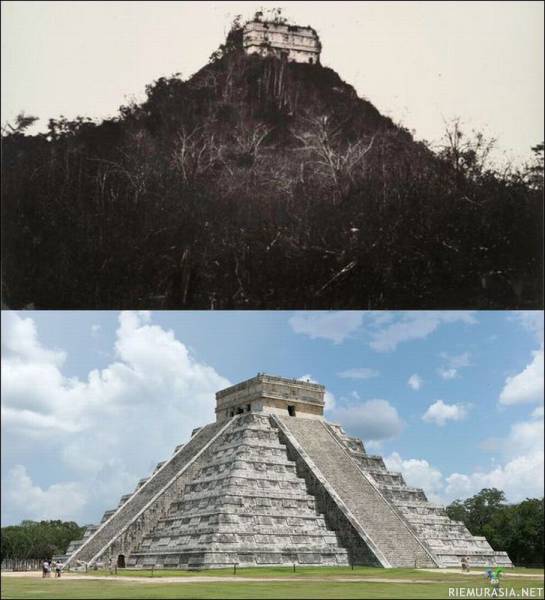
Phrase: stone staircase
[388,535]
[447,540]
[114,523]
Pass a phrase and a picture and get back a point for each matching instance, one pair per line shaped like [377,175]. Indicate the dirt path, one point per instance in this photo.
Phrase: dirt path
[218,579]
[238,578]
[505,573]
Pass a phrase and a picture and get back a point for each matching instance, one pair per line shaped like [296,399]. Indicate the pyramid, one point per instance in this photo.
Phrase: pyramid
[271,482]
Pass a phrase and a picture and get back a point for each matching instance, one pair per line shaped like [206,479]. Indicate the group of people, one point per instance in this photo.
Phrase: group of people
[48,566]
[493,574]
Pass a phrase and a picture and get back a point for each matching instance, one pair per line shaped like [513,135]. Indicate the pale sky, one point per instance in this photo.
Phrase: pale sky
[417,62]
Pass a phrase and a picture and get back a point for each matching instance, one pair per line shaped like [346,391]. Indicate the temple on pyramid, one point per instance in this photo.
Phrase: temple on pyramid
[271,482]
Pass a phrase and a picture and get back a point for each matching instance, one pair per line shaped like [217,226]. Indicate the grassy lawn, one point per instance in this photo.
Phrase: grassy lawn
[526,570]
[299,573]
[13,588]
[66,588]
[302,572]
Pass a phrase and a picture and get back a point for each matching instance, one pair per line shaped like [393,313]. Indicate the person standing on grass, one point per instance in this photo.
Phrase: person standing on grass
[44,568]
[58,568]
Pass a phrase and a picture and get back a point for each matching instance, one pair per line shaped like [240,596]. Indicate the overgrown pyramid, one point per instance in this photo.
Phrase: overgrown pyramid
[271,483]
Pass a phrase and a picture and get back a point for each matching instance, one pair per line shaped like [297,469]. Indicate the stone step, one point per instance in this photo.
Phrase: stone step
[107,515]
[245,470]
[256,461]
[392,541]
[239,485]
[243,498]
[242,533]
[124,515]
[229,449]
[244,507]
[124,499]
[202,557]
[244,513]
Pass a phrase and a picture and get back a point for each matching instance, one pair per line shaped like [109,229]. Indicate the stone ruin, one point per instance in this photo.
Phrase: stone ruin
[294,42]
[271,482]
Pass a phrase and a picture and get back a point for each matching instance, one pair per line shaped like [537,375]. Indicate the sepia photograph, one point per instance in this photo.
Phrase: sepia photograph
[220,155]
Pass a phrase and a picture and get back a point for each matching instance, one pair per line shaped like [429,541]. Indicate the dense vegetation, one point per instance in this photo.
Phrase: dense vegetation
[32,539]
[515,528]
[262,184]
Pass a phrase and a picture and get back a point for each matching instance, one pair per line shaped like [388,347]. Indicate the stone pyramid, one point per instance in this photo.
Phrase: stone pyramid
[272,483]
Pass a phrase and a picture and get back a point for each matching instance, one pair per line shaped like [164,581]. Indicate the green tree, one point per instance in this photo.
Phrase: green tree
[482,507]
[516,528]
[457,511]
[32,539]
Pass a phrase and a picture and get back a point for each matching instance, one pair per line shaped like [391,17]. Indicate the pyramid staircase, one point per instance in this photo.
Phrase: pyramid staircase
[447,540]
[138,511]
[386,533]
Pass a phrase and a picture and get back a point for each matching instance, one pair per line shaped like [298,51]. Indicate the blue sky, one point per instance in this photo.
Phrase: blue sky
[91,400]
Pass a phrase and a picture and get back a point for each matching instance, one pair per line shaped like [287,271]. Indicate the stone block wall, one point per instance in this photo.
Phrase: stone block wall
[245,504]
[114,526]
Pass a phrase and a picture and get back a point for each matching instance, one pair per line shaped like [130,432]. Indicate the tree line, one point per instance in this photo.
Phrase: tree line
[38,539]
[515,528]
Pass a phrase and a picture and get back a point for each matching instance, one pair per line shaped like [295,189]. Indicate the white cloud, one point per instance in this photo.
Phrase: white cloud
[358,373]
[373,420]
[154,391]
[519,478]
[36,425]
[457,361]
[374,446]
[415,381]
[532,321]
[335,325]
[453,364]
[416,325]
[525,437]
[380,317]
[447,373]
[418,473]
[538,412]
[18,490]
[519,475]
[526,386]
[439,413]
[20,341]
